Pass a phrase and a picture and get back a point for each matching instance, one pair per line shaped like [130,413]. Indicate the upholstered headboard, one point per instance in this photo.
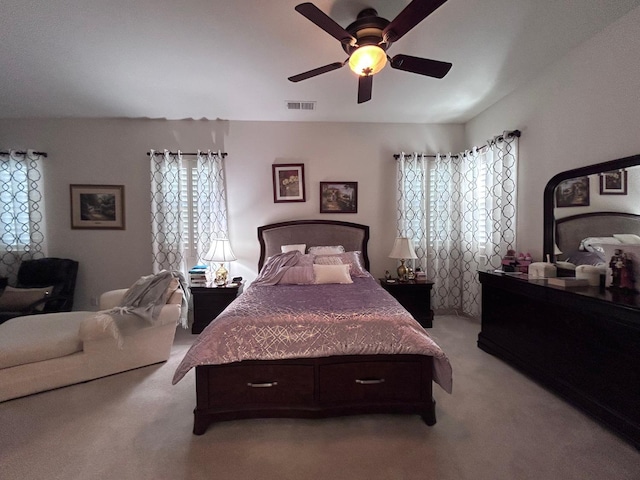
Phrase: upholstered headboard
[313,233]
[570,231]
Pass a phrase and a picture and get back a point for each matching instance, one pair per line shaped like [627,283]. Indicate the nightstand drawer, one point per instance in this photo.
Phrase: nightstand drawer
[370,382]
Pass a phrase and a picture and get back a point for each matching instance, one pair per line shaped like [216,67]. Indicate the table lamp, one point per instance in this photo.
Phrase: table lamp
[220,251]
[402,250]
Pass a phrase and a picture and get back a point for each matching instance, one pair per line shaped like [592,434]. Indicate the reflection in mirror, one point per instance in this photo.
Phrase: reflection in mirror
[617,191]
[612,186]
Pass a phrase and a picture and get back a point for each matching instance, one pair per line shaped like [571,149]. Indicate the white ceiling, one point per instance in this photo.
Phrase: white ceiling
[230,59]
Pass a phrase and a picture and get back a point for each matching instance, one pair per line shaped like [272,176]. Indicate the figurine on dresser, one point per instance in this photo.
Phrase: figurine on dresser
[622,271]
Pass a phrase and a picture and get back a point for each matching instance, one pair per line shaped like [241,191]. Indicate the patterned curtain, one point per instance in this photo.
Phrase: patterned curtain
[470,217]
[21,216]
[166,212]
[188,205]
[212,201]
[412,188]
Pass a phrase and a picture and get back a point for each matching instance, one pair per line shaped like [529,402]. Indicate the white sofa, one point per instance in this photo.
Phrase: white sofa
[43,352]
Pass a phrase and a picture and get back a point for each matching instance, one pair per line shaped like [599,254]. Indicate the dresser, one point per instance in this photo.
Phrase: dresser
[582,343]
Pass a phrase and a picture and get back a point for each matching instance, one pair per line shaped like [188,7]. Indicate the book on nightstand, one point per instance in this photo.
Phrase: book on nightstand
[568,282]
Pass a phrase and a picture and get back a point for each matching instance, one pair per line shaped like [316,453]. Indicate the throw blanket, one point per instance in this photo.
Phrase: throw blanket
[144,299]
[303,321]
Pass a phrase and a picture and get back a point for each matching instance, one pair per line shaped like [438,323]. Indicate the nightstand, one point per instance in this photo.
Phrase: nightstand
[209,302]
[415,297]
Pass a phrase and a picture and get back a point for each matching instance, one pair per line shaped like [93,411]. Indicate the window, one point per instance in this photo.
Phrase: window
[192,208]
[188,207]
[15,206]
[21,215]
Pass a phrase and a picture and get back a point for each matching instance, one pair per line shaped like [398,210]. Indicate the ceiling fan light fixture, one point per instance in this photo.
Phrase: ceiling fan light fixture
[367,60]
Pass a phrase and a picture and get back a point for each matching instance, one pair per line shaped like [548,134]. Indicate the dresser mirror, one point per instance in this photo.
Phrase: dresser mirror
[591,201]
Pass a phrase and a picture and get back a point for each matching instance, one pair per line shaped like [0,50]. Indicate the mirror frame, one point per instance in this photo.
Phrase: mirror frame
[549,193]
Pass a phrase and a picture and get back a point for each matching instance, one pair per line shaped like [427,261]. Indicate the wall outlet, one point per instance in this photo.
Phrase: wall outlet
[94,301]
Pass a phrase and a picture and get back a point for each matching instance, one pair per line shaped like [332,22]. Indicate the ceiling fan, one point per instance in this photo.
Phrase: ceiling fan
[366,42]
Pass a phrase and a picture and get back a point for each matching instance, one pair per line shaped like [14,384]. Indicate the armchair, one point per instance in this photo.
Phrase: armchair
[43,285]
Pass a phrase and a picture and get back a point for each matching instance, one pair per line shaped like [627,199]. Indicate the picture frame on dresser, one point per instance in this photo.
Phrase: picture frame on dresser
[98,207]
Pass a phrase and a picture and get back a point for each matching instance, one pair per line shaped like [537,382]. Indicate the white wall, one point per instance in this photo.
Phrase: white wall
[113,151]
[583,110]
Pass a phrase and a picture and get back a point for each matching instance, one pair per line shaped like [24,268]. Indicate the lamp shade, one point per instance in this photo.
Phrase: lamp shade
[402,249]
[368,60]
[220,251]
[556,250]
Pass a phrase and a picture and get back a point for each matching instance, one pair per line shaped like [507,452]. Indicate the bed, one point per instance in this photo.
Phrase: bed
[588,238]
[314,350]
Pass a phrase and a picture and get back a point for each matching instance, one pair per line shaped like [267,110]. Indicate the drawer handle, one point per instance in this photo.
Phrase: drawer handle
[262,385]
[373,381]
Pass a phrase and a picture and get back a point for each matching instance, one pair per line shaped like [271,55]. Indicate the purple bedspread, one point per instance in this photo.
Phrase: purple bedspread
[295,321]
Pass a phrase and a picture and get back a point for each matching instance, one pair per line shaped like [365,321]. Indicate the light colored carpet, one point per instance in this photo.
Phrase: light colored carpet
[497,425]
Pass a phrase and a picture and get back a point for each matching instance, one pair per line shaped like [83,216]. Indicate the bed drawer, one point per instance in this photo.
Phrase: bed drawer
[260,385]
[370,382]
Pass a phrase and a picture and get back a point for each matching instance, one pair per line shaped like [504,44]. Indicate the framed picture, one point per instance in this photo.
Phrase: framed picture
[288,182]
[338,197]
[613,183]
[573,193]
[97,206]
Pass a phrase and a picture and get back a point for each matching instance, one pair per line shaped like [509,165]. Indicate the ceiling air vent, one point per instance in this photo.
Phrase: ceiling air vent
[301,105]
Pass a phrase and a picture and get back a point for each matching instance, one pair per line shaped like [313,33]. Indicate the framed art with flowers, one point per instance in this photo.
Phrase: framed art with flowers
[288,182]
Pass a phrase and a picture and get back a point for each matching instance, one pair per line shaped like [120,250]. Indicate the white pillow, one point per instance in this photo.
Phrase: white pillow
[627,238]
[326,250]
[301,247]
[332,273]
[589,242]
[17,299]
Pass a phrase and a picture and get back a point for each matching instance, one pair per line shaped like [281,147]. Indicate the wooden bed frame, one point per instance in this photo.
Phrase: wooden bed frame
[314,387]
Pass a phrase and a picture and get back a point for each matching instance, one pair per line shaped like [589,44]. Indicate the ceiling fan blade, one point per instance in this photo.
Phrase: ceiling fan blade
[422,66]
[325,22]
[408,18]
[365,87]
[316,71]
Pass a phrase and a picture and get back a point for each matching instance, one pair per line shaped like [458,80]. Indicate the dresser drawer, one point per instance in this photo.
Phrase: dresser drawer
[370,382]
[233,385]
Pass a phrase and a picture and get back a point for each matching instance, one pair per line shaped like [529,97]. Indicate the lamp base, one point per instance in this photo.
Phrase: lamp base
[221,276]
[402,271]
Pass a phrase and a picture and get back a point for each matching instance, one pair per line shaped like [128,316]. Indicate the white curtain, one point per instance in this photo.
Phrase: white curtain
[21,210]
[467,203]
[188,205]
[412,188]
[167,204]
[212,201]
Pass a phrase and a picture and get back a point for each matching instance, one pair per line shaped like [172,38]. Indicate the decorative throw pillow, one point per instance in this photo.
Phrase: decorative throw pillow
[17,299]
[332,274]
[326,250]
[353,259]
[627,238]
[305,260]
[301,247]
[591,244]
[298,276]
